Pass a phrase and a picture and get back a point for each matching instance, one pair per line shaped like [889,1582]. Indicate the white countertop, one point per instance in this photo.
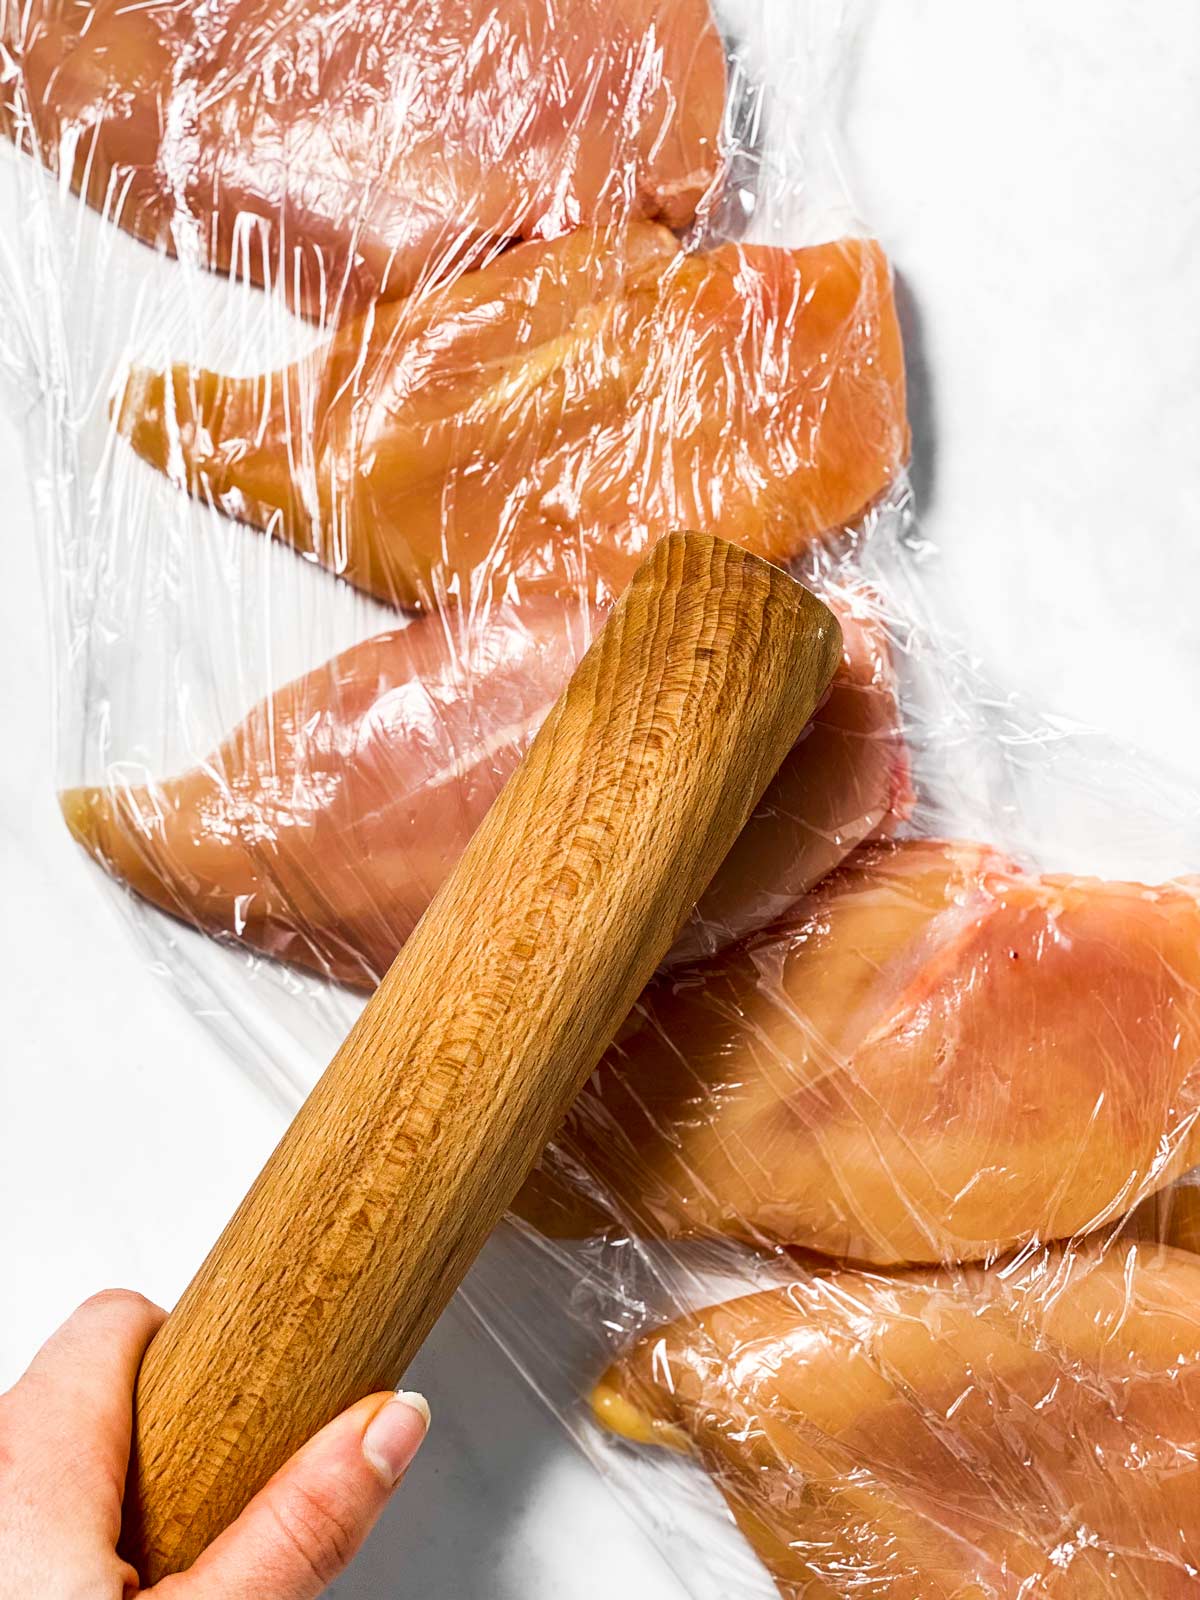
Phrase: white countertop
[1032,171]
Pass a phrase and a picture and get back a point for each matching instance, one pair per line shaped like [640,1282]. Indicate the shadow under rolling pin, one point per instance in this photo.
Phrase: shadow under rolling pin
[406,1154]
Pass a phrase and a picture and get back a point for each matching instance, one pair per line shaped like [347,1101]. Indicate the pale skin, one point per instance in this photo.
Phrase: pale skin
[64,1448]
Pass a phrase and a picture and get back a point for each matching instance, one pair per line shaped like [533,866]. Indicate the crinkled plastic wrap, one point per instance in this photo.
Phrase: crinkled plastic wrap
[363,349]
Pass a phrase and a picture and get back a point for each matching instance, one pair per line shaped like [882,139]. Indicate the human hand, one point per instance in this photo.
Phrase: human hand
[64,1448]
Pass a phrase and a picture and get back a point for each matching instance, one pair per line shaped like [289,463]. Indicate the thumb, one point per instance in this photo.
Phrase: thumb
[305,1526]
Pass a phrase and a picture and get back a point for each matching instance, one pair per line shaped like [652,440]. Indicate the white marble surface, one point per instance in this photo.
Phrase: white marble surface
[1032,171]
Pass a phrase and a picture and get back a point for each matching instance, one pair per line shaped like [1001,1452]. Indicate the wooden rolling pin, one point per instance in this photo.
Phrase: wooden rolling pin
[407,1152]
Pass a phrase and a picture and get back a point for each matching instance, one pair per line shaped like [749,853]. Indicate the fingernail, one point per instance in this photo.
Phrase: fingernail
[394,1435]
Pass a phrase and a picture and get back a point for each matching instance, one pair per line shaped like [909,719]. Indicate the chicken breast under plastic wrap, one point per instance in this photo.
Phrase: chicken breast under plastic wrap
[324,824]
[934,1057]
[348,151]
[1031,1433]
[538,424]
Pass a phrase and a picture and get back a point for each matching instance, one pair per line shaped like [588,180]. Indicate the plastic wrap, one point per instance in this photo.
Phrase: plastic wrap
[877,1212]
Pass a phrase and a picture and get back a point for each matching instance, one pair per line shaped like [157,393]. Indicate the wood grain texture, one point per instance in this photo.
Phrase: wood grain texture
[405,1155]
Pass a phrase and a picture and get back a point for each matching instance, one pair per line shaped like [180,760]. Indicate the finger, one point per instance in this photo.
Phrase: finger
[68,1418]
[305,1526]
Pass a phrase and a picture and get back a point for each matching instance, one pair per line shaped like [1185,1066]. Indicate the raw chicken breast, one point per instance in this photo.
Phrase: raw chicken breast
[935,1057]
[979,1435]
[349,151]
[539,423]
